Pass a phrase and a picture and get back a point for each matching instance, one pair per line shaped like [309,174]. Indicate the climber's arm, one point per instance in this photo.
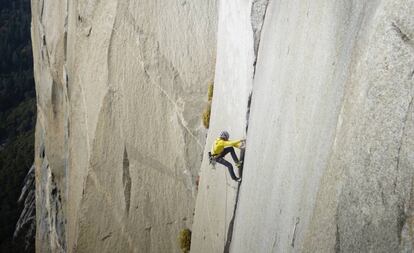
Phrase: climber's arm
[233,143]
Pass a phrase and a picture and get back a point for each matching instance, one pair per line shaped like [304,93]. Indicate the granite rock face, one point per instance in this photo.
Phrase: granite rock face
[120,91]
[322,90]
[329,160]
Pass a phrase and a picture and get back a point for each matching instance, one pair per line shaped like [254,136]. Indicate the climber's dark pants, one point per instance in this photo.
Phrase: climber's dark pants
[220,159]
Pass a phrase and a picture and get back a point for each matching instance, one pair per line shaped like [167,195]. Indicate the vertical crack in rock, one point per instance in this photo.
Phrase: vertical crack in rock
[405,223]
[65,103]
[147,234]
[126,181]
[295,229]
[257,15]
[405,119]
[337,240]
[51,225]
[274,242]
[405,216]
[249,102]
[337,246]
[401,220]
[57,220]
[42,9]
[404,130]
[65,35]
[109,49]
[231,224]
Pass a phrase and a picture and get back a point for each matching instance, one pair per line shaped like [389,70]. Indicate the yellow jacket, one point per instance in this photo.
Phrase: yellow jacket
[220,144]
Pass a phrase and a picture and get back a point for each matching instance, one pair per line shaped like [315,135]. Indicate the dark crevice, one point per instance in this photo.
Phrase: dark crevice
[249,102]
[403,34]
[337,232]
[405,38]
[258,13]
[405,119]
[231,224]
[126,181]
[257,18]
[42,10]
[106,236]
[42,151]
[337,240]
[57,220]
[401,219]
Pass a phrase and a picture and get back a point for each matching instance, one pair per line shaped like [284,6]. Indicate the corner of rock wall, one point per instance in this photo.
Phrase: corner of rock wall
[112,78]
[239,30]
[51,154]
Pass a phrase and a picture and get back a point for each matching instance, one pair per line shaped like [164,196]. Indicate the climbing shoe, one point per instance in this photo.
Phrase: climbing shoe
[239,164]
[238,180]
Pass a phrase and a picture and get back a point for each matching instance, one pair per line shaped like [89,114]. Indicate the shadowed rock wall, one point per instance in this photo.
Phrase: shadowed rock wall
[120,89]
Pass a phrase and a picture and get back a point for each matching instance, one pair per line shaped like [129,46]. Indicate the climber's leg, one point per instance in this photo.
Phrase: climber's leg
[229,167]
[232,152]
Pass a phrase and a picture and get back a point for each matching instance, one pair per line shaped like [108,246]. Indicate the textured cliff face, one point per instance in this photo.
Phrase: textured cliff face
[329,164]
[323,89]
[233,82]
[120,88]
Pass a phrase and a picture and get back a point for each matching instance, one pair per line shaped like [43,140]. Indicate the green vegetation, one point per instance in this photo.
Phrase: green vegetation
[206,115]
[207,110]
[17,115]
[185,240]
[210,92]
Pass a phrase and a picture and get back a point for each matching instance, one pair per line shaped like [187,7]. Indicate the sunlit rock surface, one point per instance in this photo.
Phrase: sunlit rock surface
[329,161]
[322,90]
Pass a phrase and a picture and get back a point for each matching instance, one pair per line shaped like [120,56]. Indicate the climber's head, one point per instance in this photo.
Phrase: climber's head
[224,135]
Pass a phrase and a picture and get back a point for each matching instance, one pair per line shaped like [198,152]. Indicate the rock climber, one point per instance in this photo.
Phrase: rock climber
[221,147]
